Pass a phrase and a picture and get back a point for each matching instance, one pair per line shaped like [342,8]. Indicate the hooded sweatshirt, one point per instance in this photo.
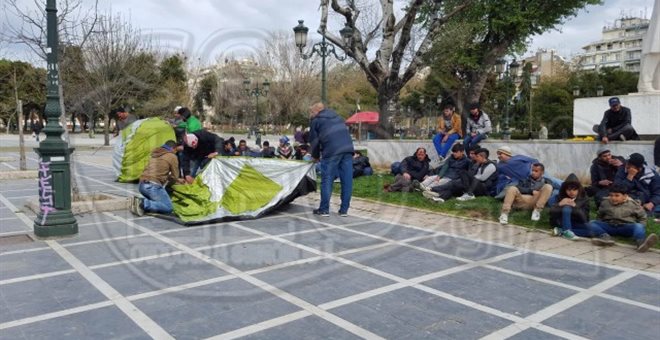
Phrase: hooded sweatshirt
[163,167]
[329,135]
[579,213]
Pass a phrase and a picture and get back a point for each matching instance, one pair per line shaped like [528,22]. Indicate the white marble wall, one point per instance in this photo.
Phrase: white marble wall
[645,108]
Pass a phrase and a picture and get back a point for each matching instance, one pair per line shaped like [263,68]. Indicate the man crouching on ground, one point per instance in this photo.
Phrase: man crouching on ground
[163,169]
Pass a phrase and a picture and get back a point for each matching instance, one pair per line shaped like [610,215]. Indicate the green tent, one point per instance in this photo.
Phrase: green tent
[133,150]
[241,188]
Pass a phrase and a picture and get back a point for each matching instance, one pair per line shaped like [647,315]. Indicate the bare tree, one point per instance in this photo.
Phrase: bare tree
[293,79]
[388,70]
[120,66]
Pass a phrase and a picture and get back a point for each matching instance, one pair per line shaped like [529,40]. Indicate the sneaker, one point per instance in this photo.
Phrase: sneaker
[556,231]
[343,213]
[649,242]
[139,207]
[536,215]
[504,219]
[430,194]
[466,197]
[131,204]
[438,199]
[569,235]
[320,213]
[416,185]
[604,240]
[622,138]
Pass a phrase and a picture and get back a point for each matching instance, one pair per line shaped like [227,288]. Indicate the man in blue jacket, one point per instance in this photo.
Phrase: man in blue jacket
[331,142]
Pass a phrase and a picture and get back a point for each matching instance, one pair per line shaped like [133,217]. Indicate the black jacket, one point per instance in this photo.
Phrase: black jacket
[207,143]
[527,186]
[360,163]
[579,213]
[453,168]
[614,120]
[415,168]
[601,171]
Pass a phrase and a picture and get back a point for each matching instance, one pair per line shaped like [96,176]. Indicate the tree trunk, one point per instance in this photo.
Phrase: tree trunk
[106,130]
[21,139]
[388,104]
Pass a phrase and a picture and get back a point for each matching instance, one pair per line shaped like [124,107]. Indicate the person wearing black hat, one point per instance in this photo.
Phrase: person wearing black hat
[189,122]
[616,123]
[641,182]
[603,170]
[478,126]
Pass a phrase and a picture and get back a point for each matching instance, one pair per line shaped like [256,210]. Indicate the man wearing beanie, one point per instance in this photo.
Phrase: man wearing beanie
[641,182]
[199,148]
[162,170]
[603,170]
[616,123]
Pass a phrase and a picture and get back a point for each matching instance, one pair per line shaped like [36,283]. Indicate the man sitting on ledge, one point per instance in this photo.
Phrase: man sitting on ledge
[616,123]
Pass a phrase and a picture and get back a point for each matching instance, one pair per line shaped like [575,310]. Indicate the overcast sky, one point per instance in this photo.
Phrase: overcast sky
[212,29]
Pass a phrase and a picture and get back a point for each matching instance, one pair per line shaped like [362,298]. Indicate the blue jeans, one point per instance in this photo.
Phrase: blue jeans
[580,229]
[469,141]
[336,166]
[156,198]
[443,148]
[636,230]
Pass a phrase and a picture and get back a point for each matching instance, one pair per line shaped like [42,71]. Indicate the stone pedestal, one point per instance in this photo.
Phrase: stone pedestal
[645,108]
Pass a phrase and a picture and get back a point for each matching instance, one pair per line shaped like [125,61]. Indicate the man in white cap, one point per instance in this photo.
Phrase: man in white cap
[199,148]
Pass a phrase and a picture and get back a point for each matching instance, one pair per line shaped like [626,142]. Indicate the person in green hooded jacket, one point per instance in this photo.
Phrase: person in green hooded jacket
[190,122]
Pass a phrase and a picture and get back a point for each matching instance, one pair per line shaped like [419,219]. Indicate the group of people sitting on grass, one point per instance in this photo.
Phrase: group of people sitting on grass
[626,192]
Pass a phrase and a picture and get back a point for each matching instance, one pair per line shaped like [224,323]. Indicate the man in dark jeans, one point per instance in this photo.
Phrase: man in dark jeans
[331,142]
[162,170]
[616,123]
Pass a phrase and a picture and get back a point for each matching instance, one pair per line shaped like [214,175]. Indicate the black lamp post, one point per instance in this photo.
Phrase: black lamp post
[510,74]
[323,49]
[54,217]
[256,92]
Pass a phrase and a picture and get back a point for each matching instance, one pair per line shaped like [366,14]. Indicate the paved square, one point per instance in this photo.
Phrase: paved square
[295,275]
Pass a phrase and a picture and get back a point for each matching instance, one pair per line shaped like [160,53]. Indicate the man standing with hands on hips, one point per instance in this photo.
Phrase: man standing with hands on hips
[331,142]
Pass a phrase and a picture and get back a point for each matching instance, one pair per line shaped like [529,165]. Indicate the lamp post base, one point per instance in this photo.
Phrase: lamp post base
[60,226]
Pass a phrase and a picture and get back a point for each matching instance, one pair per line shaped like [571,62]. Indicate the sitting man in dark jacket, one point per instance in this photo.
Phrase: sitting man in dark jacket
[361,165]
[616,123]
[532,192]
[478,181]
[415,167]
[641,182]
[603,170]
[200,147]
[457,164]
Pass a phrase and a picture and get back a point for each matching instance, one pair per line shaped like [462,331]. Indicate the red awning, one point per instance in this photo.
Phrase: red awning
[364,118]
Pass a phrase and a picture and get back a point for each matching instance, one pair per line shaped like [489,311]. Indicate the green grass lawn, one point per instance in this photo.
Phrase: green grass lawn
[486,208]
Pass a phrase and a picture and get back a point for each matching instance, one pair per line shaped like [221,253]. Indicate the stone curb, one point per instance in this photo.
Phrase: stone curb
[19,174]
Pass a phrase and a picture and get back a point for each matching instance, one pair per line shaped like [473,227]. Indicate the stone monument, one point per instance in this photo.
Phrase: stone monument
[649,72]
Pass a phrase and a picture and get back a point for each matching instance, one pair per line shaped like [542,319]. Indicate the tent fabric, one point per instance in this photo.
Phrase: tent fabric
[132,152]
[241,188]
[364,118]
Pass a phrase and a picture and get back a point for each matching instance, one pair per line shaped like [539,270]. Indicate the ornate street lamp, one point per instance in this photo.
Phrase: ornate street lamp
[576,91]
[54,217]
[323,49]
[256,92]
